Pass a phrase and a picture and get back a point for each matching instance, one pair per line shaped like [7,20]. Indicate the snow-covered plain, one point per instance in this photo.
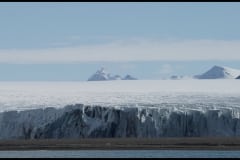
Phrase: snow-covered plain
[29,95]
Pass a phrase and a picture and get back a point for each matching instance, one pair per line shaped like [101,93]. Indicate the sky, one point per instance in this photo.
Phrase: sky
[70,41]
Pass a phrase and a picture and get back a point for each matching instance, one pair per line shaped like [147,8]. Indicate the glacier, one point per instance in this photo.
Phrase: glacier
[162,108]
[84,121]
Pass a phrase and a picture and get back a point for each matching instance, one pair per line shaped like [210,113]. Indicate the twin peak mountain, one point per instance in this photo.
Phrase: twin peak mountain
[103,75]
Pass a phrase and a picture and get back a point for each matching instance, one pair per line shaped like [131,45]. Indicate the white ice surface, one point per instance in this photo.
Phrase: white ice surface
[26,95]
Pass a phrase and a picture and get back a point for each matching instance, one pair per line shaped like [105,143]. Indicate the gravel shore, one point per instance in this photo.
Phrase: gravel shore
[206,143]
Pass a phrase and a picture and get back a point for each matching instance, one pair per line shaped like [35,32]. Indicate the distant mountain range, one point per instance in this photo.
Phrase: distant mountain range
[103,75]
[216,72]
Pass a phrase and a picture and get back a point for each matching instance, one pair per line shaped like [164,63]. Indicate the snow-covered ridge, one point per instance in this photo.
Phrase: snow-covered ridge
[103,75]
[219,72]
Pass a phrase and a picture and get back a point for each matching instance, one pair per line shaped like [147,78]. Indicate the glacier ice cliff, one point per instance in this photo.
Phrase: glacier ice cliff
[85,121]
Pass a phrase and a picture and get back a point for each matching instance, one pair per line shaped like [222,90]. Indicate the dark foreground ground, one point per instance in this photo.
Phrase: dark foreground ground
[123,143]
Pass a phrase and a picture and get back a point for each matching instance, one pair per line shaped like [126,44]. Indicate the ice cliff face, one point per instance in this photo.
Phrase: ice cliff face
[80,121]
[219,72]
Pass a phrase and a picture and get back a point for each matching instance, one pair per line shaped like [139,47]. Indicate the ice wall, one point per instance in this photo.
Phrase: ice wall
[81,121]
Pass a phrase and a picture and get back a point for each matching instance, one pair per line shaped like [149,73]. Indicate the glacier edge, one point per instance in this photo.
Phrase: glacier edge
[85,121]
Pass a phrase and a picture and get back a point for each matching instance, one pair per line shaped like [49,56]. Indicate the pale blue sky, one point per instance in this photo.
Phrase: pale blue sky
[151,40]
